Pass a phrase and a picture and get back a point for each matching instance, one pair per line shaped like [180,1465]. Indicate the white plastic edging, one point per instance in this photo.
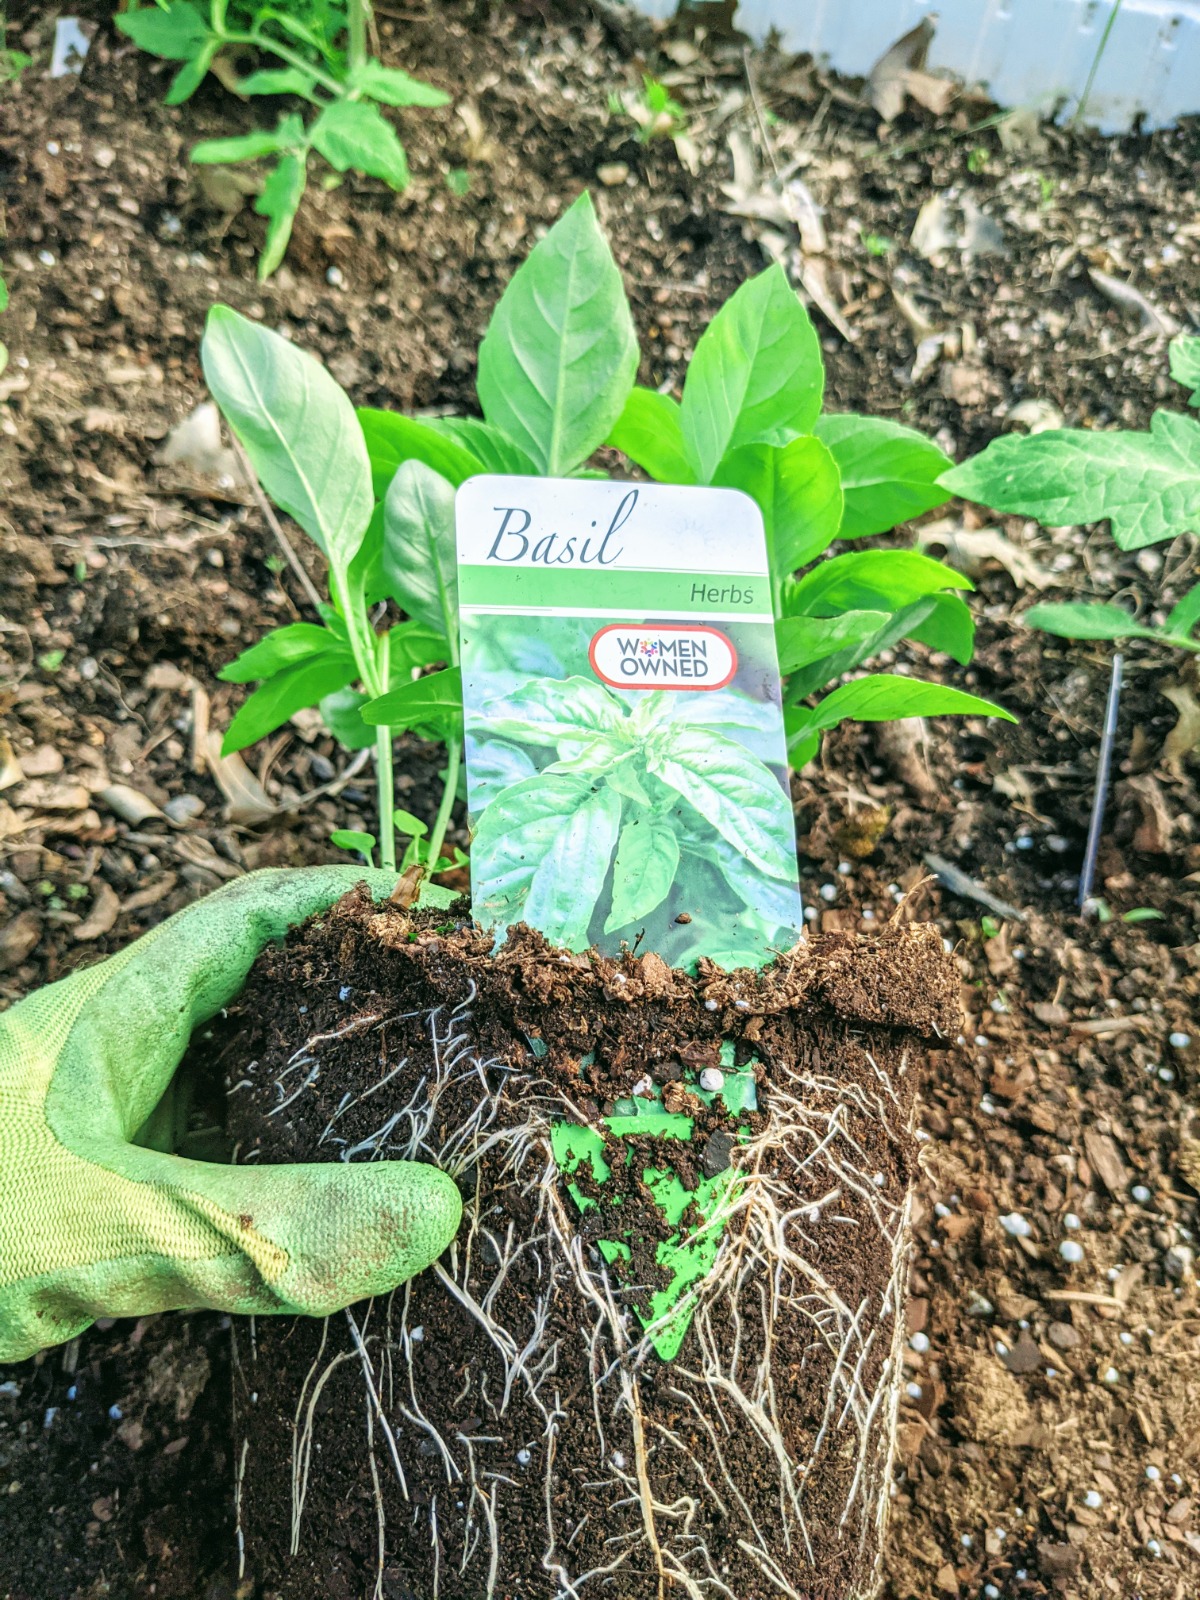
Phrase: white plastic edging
[1022,52]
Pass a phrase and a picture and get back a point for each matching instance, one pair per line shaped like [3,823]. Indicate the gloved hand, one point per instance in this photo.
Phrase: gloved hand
[94,1226]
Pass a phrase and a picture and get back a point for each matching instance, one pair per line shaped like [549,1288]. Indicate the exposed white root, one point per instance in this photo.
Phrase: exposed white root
[807,1202]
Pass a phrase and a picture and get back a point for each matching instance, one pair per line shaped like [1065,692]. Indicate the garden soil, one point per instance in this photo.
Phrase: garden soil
[1048,1445]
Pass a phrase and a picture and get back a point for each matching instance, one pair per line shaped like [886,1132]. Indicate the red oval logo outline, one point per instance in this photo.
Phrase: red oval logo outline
[664,627]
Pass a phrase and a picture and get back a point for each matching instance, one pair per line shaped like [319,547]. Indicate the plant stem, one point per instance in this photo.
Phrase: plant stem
[262,41]
[1100,796]
[386,791]
[442,822]
[357,12]
[1081,108]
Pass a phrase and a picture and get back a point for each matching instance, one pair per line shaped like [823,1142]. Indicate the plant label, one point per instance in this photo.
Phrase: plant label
[626,762]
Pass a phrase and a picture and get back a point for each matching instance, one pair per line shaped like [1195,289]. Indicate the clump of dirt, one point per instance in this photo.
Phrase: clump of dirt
[505,1425]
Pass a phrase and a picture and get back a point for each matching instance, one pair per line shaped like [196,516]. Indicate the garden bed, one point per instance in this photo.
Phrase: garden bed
[1069,1022]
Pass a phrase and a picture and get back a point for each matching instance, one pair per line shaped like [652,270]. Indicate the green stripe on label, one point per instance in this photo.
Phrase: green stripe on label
[534,588]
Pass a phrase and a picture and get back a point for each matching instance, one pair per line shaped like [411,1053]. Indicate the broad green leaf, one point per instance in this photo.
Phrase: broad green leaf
[756,376]
[570,876]
[1146,484]
[775,900]
[1184,617]
[546,711]
[396,88]
[734,791]
[391,439]
[889,473]
[282,648]
[650,432]
[1184,354]
[803,640]
[353,134]
[412,645]
[420,562]
[869,580]
[341,712]
[827,669]
[430,706]
[559,356]
[647,861]
[591,756]
[1100,621]
[542,851]
[297,427]
[625,780]
[191,75]
[493,766]
[278,80]
[279,202]
[798,492]
[412,827]
[886,697]
[494,451]
[949,627]
[280,697]
[240,147]
[176,32]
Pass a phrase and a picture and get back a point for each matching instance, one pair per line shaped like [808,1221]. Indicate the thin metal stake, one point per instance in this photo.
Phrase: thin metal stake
[1100,796]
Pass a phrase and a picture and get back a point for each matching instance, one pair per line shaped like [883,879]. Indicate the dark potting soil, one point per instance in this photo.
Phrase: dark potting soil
[500,1427]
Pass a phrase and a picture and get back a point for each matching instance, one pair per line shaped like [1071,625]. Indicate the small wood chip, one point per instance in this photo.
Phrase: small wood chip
[106,906]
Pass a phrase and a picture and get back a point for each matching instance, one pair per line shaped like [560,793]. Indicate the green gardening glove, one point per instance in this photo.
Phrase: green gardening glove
[92,1225]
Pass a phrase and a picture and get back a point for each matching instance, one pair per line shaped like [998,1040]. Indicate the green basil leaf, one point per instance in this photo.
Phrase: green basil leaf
[804,640]
[570,876]
[889,473]
[420,560]
[1100,621]
[281,648]
[1184,616]
[1147,485]
[625,780]
[949,627]
[650,432]
[279,202]
[756,377]
[351,133]
[560,353]
[396,88]
[591,757]
[493,450]
[412,645]
[827,669]
[278,80]
[352,839]
[734,791]
[191,75]
[1184,354]
[280,697]
[886,697]
[869,580]
[297,427]
[545,711]
[798,492]
[341,714]
[541,852]
[775,900]
[647,861]
[241,147]
[176,32]
[494,765]
[392,439]
[430,707]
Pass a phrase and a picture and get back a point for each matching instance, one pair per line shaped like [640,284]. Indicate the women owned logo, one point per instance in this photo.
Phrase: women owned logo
[664,655]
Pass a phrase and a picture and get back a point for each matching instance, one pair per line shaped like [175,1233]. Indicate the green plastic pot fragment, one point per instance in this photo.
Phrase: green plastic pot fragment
[689,1253]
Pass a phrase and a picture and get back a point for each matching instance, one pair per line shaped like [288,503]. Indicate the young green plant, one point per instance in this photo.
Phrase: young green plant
[321,48]
[375,491]
[1145,485]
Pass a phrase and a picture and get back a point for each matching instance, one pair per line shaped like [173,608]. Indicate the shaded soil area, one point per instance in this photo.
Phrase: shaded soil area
[125,583]
[500,1425]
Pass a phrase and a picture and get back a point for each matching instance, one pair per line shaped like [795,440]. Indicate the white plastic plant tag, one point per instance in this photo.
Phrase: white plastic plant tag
[626,764]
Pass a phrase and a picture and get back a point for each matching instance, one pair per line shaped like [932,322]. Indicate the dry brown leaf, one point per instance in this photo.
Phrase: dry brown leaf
[18,938]
[1106,1161]
[1185,735]
[969,548]
[247,802]
[151,895]
[106,905]
[195,849]
[10,767]
[887,82]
